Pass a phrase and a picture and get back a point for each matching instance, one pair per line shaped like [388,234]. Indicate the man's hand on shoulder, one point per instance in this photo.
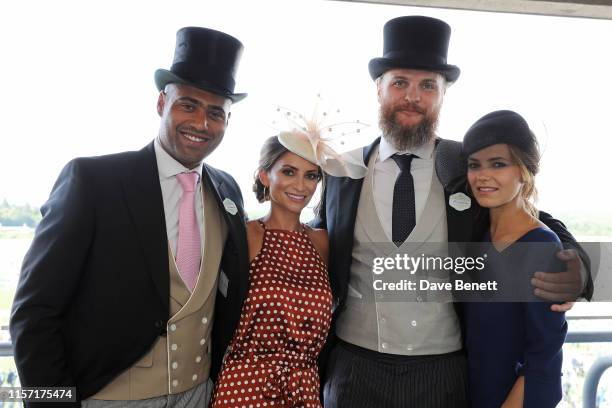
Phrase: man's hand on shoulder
[564,286]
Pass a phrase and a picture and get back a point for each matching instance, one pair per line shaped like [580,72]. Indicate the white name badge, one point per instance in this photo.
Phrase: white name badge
[230,206]
[459,201]
[223,283]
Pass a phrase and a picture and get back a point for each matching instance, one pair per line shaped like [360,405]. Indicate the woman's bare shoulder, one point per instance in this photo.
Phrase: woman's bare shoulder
[255,233]
[320,241]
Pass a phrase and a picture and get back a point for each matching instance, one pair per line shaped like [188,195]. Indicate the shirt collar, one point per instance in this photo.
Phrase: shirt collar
[168,167]
[386,150]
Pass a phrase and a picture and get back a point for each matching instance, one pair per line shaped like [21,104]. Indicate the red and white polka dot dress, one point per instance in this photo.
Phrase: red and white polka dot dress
[272,360]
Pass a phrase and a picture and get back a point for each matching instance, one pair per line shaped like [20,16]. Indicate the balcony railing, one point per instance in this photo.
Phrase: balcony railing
[597,369]
[591,382]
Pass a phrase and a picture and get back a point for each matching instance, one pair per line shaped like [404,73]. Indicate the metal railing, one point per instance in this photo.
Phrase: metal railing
[6,349]
[591,380]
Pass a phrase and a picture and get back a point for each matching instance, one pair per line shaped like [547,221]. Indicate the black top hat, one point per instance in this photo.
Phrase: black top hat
[415,42]
[206,59]
[503,126]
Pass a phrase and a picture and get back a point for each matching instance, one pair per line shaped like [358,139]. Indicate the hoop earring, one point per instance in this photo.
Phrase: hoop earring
[266,193]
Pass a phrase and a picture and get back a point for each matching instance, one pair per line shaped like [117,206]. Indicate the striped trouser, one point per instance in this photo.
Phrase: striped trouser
[360,378]
[197,397]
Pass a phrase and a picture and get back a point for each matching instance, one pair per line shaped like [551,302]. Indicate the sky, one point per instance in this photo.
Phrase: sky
[78,81]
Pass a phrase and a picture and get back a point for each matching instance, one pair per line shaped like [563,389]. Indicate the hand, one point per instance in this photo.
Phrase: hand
[563,307]
[561,286]
[517,394]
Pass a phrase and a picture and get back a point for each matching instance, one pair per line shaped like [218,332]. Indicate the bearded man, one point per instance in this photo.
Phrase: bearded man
[387,353]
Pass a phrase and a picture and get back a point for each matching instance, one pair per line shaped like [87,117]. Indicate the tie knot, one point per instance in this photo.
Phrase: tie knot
[188,181]
[403,161]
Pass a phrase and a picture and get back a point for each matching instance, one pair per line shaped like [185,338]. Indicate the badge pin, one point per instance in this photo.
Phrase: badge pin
[460,201]
[223,283]
[230,206]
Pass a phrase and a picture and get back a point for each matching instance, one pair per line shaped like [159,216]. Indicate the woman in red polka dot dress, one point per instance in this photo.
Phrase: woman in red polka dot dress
[272,359]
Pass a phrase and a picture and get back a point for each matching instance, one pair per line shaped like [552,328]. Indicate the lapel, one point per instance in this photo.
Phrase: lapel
[369,216]
[235,223]
[342,200]
[451,171]
[460,223]
[145,203]
[347,199]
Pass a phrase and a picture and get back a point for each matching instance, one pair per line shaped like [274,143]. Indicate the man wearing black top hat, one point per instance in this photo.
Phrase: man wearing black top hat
[134,282]
[409,353]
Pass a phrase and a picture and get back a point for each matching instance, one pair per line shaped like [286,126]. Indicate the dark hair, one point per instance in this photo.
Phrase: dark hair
[270,152]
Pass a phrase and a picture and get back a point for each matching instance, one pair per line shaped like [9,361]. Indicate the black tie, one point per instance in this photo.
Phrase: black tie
[404,215]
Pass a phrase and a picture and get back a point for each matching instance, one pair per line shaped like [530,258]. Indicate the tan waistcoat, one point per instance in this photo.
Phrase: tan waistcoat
[181,359]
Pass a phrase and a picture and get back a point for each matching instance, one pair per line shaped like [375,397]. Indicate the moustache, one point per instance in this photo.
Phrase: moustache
[192,130]
[409,107]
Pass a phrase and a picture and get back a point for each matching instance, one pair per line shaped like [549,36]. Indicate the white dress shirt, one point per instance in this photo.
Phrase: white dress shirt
[385,175]
[168,168]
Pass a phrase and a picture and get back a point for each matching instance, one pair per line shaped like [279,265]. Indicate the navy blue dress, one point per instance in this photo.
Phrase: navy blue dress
[507,339]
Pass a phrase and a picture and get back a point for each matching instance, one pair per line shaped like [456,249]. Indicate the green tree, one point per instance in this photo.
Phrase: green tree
[18,215]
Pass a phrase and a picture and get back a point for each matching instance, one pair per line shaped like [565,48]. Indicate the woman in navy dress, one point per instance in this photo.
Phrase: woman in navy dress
[515,346]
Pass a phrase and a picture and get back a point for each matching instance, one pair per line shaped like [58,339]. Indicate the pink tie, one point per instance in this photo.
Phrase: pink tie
[188,252]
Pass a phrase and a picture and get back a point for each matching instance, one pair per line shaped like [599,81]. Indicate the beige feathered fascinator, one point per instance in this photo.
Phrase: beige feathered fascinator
[310,138]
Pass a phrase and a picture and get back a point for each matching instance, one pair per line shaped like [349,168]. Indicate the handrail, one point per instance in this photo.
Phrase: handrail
[591,381]
[593,336]
[6,349]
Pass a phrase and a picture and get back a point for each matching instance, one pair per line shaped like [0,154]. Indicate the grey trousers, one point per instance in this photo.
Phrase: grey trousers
[360,378]
[197,397]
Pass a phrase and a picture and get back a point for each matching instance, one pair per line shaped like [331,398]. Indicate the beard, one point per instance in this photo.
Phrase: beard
[406,137]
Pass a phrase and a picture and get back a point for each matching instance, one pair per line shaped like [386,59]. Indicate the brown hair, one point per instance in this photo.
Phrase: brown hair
[270,152]
[528,162]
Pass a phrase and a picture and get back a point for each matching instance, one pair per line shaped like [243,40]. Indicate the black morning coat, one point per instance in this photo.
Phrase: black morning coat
[93,295]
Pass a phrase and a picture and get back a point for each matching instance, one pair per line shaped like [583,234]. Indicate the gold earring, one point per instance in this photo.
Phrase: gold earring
[266,193]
